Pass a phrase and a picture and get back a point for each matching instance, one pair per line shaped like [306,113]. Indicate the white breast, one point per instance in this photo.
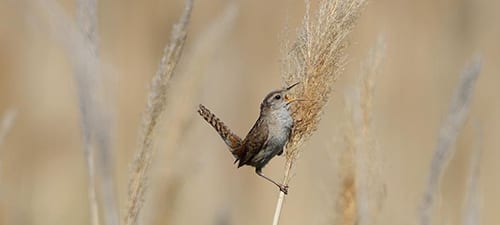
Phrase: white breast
[279,125]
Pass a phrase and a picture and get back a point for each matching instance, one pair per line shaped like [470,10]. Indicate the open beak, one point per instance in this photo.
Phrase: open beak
[290,100]
[291,86]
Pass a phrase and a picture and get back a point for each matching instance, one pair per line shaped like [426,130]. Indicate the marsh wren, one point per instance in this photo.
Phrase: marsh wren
[266,139]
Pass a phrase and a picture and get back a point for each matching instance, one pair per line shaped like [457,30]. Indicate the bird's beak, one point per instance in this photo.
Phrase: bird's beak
[291,86]
[290,100]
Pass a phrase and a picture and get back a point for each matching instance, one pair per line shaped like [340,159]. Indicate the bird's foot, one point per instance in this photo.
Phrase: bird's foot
[284,189]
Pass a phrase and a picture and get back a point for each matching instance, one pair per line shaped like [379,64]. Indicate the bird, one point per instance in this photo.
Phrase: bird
[266,139]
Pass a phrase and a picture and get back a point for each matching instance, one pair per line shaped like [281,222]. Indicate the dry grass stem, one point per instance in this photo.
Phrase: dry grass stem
[360,163]
[155,107]
[189,83]
[448,133]
[8,119]
[179,118]
[346,204]
[6,123]
[96,117]
[75,45]
[471,209]
[81,43]
[361,143]
[316,59]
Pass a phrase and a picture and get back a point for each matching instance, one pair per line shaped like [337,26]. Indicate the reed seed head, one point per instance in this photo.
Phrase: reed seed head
[316,60]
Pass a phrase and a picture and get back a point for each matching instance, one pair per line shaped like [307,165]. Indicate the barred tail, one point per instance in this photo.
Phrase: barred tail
[232,140]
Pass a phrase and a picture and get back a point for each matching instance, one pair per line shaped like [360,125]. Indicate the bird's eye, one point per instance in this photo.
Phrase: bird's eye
[277,97]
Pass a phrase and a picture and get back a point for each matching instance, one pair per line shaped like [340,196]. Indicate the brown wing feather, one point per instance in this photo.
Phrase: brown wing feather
[254,141]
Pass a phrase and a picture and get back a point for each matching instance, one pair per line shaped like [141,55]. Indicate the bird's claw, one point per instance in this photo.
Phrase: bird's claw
[284,189]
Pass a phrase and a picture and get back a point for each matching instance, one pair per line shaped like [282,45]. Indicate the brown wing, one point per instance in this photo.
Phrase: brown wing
[254,141]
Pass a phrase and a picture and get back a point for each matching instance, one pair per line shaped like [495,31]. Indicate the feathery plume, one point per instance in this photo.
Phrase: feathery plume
[316,60]
[155,107]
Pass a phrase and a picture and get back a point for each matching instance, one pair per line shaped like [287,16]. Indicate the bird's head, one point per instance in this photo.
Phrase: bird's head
[279,99]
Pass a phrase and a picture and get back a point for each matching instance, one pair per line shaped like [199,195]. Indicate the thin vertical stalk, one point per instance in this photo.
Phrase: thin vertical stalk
[448,134]
[155,108]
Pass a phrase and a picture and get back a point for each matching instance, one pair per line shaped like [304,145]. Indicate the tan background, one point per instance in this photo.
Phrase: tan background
[42,169]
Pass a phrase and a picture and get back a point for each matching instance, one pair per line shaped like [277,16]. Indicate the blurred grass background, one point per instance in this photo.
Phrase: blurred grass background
[42,168]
